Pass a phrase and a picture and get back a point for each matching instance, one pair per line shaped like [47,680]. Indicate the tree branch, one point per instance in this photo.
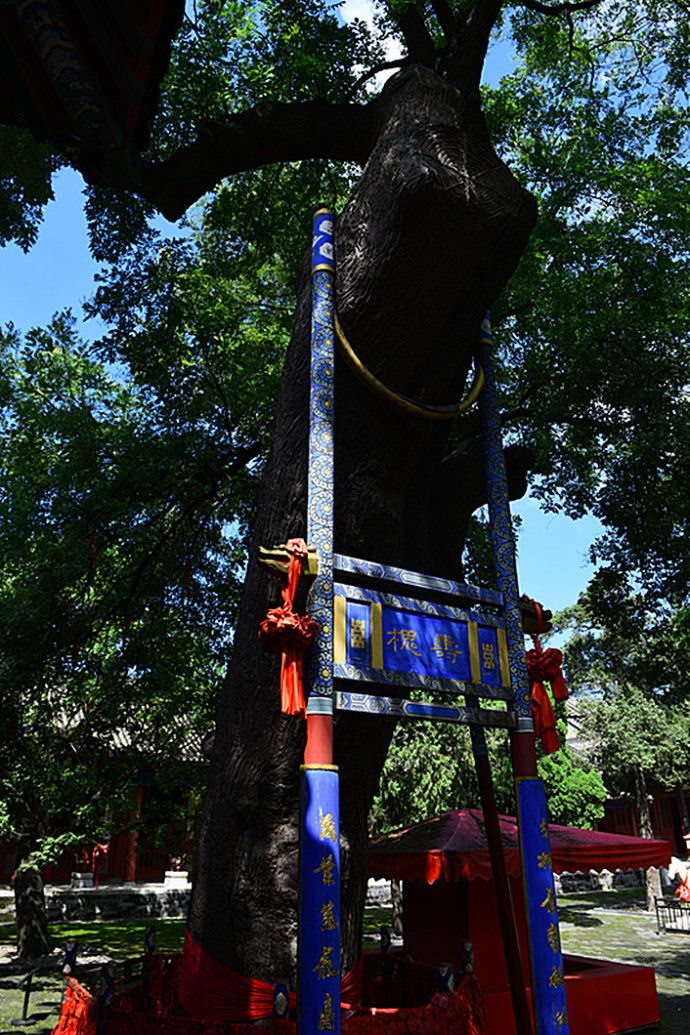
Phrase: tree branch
[466,66]
[381,67]
[560,8]
[464,469]
[458,488]
[419,44]
[446,19]
[268,133]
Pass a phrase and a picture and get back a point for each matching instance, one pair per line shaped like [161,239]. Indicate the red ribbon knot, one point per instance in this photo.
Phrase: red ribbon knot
[545,666]
[285,632]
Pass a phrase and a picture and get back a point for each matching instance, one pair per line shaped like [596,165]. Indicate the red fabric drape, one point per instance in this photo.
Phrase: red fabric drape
[286,633]
[98,852]
[545,666]
[458,1013]
[150,1010]
[213,991]
[77,1013]
[453,846]
[544,718]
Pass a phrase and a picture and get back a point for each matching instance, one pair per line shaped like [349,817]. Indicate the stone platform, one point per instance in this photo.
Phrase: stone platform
[108,902]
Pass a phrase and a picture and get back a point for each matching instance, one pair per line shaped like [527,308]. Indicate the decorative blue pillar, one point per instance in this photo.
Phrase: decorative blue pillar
[318,993]
[320,491]
[548,981]
[318,996]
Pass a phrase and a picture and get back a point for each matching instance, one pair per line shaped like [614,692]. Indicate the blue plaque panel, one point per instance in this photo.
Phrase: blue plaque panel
[430,646]
[416,581]
[318,1000]
[399,708]
[389,639]
[542,911]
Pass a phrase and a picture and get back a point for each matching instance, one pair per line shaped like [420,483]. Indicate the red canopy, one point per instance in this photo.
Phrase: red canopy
[453,846]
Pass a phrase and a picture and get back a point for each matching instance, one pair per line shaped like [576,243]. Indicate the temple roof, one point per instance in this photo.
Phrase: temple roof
[453,846]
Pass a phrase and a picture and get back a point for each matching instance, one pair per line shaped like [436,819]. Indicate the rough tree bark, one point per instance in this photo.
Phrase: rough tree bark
[29,905]
[644,823]
[430,236]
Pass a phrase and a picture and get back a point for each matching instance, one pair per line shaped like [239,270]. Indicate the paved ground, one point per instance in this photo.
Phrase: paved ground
[610,925]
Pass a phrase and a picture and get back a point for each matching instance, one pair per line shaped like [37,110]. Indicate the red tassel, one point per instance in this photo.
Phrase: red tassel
[289,634]
[545,665]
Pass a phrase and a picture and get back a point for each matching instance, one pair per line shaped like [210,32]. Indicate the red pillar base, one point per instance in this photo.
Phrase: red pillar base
[319,746]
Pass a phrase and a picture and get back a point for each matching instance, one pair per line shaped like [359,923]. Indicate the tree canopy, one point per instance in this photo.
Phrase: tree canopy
[430,770]
[630,667]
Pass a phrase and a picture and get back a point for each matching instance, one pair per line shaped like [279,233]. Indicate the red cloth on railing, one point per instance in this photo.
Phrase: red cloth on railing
[213,991]
[289,634]
[456,1013]
[77,1013]
[683,889]
[545,665]
[146,1011]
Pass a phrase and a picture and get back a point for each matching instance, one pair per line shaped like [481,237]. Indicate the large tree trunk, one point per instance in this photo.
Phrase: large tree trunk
[644,824]
[433,231]
[30,913]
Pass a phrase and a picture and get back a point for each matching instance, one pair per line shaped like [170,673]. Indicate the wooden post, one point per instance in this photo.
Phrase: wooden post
[683,810]
[546,959]
[318,965]
[506,913]
[133,838]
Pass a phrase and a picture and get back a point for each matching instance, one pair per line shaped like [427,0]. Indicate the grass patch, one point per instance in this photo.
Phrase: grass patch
[121,938]
[117,938]
[46,993]
[376,917]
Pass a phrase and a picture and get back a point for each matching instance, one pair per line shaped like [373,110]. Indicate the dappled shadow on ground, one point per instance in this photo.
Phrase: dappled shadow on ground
[578,917]
[122,938]
[625,899]
[44,1004]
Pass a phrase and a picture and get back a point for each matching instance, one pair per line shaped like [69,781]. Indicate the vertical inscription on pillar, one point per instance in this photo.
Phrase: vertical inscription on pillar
[319,949]
[544,936]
